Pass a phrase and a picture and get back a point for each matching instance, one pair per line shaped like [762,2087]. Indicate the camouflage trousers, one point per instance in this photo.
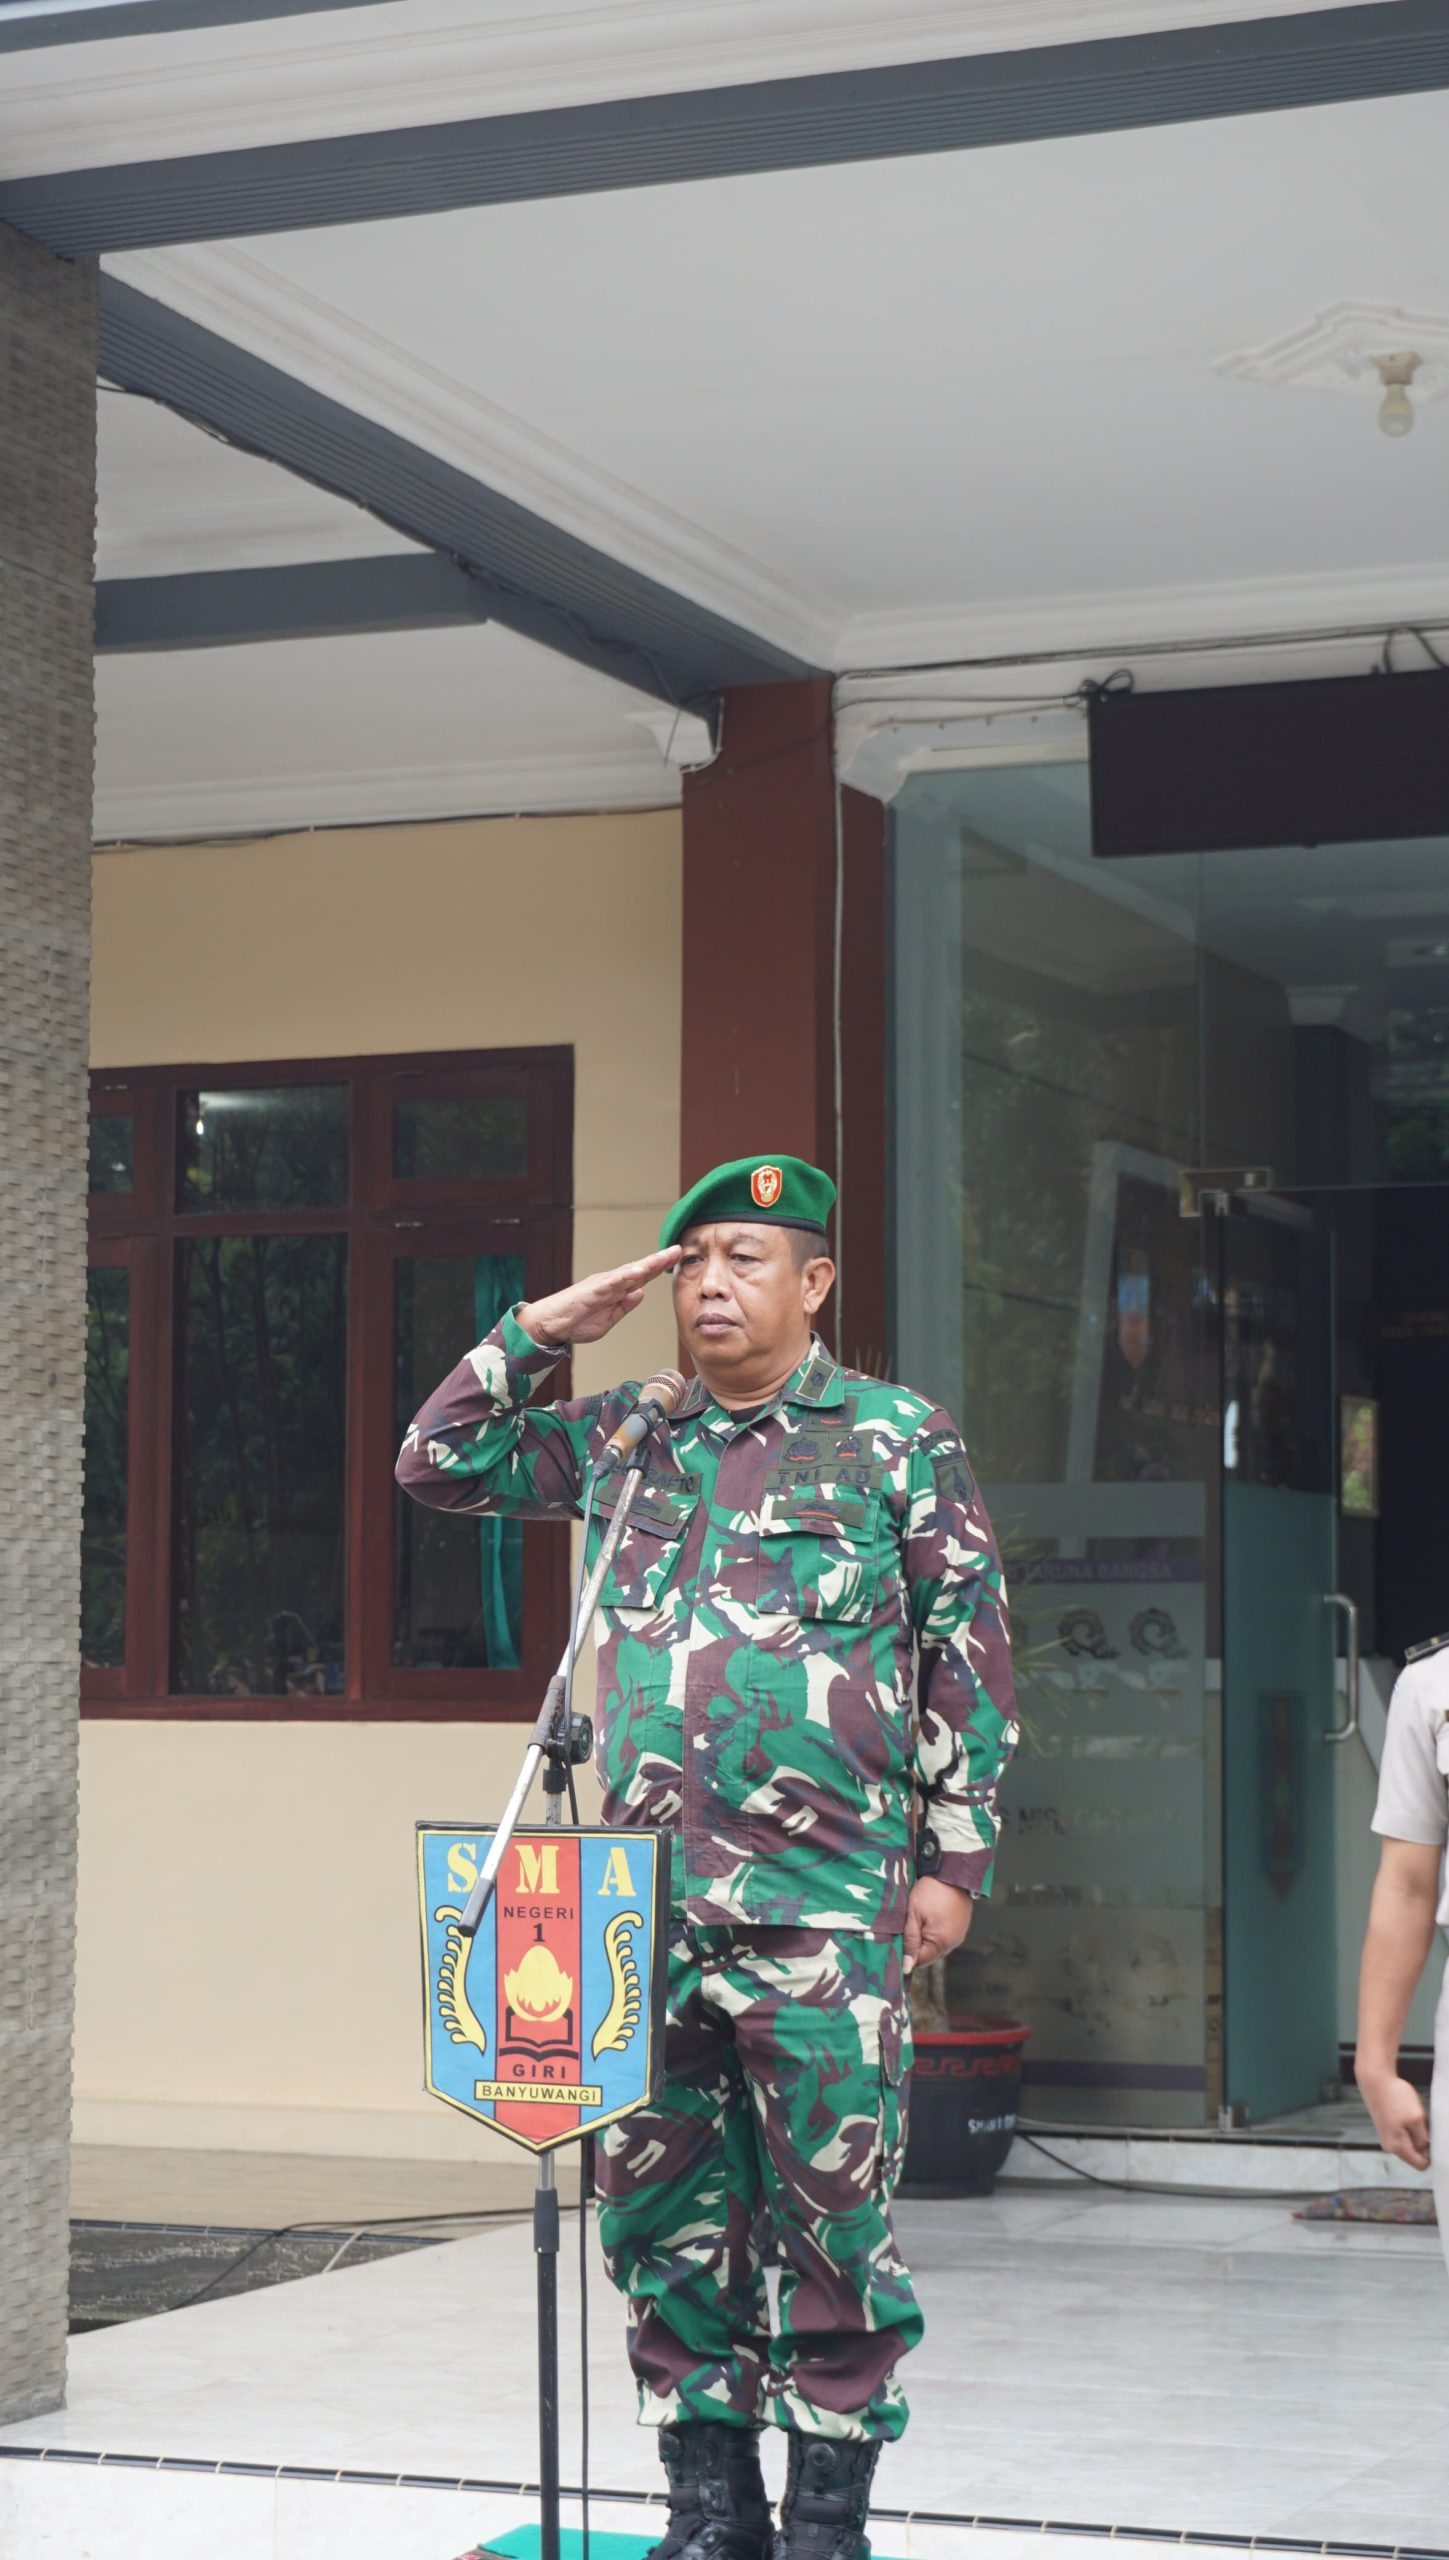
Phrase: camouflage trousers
[777,2135]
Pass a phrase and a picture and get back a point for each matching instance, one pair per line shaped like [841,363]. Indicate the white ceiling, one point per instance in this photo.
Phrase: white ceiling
[417,724]
[928,408]
[923,410]
[171,498]
[426,724]
[419,62]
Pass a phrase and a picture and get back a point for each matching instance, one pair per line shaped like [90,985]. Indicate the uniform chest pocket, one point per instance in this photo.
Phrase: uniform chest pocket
[645,1559]
[818,1553]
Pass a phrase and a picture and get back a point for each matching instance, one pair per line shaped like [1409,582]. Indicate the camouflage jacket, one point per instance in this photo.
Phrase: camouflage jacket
[775,1589]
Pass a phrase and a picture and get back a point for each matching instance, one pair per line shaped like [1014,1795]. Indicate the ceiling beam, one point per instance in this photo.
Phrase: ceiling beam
[303,600]
[35,23]
[1036,93]
[541,582]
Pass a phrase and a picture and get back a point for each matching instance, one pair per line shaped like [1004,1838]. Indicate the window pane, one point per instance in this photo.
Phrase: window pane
[112,1151]
[264,1147]
[103,1532]
[457,1582]
[482,1138]
[259,1503]
[1326,1014]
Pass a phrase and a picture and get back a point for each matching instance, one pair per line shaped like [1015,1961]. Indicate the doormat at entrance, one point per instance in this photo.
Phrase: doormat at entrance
[525,2541]
[1370,2204]
[131,2270]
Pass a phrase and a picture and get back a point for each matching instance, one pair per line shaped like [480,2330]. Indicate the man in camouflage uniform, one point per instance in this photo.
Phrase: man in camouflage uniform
[804,1677]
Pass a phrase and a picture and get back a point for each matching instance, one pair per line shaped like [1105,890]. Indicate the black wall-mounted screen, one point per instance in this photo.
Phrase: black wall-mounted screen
[1341,762]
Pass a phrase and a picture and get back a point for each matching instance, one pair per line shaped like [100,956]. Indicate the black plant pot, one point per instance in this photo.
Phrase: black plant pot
[965,2089]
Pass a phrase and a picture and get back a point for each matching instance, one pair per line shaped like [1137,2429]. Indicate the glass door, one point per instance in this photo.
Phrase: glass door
[1279,1566]
[1151,1402]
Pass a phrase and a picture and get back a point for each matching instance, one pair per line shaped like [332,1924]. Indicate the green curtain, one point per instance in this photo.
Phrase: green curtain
[498,1283]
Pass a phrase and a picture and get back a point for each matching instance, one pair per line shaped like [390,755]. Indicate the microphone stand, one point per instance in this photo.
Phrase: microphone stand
[564,1740]
[562,1747]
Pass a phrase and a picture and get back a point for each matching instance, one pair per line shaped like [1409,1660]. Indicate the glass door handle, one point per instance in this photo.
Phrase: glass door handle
[1340,1600]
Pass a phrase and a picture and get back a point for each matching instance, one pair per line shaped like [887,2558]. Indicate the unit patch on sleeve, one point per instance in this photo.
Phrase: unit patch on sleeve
[954,1480]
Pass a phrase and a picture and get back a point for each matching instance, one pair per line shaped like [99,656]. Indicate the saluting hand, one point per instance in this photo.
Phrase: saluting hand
[591,1308]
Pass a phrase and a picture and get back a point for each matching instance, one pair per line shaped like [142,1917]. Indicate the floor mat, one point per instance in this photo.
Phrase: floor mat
[1371,2204]
[525,2541]
[132,2270]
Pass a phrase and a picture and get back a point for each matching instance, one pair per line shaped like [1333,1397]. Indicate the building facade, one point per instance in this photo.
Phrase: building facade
[1141,1165]
[613,541]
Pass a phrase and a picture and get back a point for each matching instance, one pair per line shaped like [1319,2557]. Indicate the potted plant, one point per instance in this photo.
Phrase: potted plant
[965,2091]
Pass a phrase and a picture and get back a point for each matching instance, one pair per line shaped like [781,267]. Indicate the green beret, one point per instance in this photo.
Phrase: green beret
[769,1191]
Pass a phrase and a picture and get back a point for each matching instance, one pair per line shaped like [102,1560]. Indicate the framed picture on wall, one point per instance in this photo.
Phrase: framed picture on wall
[1142,1410]
[1358,1457]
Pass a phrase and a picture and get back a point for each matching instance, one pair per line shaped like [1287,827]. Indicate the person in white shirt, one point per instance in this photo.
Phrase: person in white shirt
[1410,1899]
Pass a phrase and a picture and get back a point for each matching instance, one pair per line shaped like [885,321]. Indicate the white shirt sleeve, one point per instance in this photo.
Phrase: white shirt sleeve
[1414,1779]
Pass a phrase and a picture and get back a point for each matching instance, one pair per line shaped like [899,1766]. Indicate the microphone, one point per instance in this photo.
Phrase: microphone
[658,1398]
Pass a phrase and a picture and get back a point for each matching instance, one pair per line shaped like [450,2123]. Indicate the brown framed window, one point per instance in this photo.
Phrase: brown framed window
[285,1260]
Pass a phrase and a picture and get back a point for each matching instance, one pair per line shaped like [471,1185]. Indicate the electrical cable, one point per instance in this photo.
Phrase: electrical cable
[1092,2176]
[932,713]
[1409,631]
[586,2146]
[340,2253]
[917,712]
[580,1576]
[381,2222]
[586,2183]
[591,1489]
[1163,2187]
[837,1056]
[1187,648]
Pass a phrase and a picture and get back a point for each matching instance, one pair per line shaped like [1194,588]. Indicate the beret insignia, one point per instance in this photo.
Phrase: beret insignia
[778,1191]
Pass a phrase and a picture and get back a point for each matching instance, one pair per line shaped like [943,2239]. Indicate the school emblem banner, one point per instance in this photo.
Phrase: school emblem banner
[549,2023]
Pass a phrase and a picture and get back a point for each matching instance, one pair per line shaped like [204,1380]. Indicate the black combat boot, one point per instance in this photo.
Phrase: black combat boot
[717,2504]
[827,2499]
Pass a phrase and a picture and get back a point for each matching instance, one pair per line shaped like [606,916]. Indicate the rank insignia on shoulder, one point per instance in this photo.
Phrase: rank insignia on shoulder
[1431,1644]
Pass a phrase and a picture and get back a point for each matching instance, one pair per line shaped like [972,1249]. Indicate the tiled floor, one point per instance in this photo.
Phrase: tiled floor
[1342,2119]
[148,2517]
[1307,2154]
[1169,2364]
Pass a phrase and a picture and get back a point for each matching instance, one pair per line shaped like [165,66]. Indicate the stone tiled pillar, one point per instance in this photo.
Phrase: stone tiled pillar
[47,511]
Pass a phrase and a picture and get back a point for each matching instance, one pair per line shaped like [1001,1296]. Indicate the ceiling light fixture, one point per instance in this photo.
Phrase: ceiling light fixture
[1374,350]
[1396,409]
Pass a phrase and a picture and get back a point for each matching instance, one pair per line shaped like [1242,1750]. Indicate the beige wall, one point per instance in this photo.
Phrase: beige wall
[248,1920]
